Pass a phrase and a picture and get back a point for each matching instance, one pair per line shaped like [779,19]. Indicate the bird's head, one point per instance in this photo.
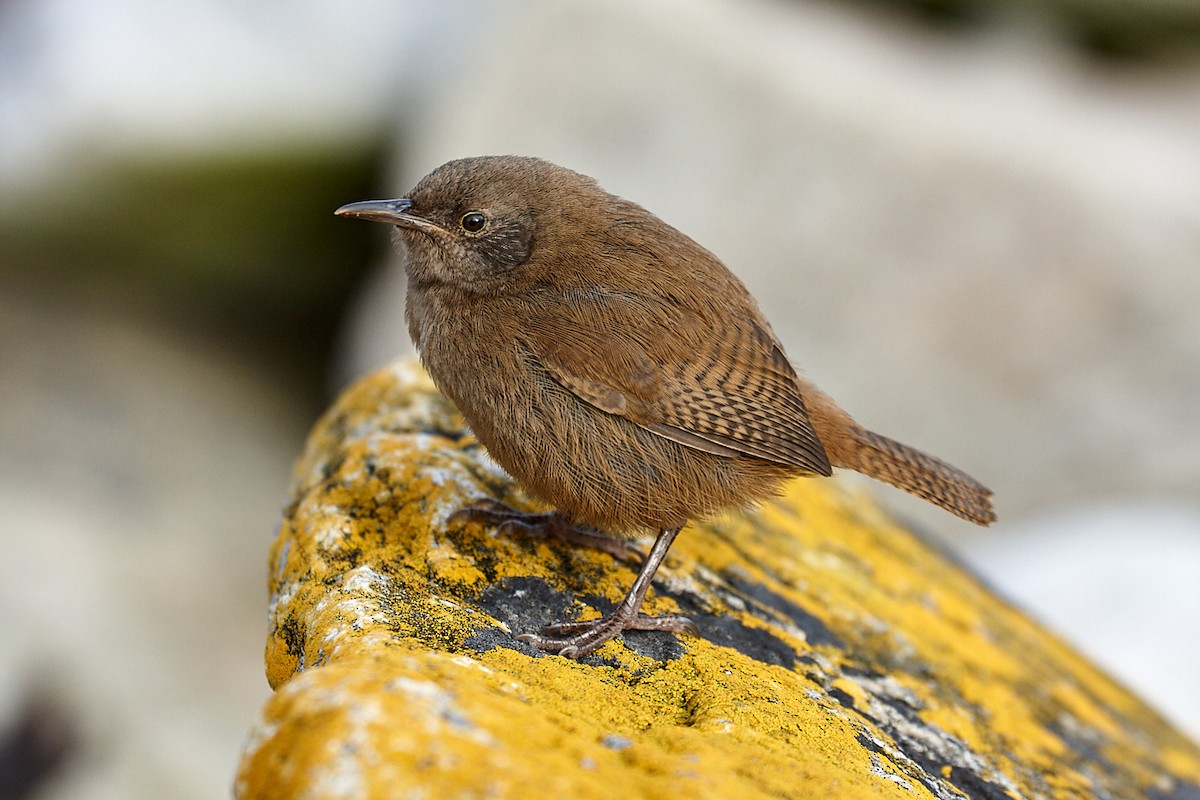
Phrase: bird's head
[476,222]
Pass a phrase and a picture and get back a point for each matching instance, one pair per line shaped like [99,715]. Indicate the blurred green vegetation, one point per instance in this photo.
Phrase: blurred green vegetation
[240,250]
[1146,30]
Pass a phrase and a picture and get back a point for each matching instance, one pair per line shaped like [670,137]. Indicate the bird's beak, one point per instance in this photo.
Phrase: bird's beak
[391,212]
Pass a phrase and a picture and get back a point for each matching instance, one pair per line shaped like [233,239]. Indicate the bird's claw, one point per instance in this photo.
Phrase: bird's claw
[587,636]
[545,525]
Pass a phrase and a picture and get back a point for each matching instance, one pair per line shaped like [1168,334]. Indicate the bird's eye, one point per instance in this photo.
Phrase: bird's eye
[473,221]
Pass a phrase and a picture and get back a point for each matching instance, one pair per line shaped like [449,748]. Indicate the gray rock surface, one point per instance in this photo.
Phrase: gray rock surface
[136,484]
[1121,583]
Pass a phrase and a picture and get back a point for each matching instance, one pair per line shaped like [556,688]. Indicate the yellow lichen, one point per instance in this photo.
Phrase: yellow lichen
[840,656]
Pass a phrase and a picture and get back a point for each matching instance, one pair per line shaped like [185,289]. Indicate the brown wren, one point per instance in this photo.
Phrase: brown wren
[617,369]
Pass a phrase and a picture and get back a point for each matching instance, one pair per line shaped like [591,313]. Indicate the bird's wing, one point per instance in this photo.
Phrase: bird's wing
[725,389]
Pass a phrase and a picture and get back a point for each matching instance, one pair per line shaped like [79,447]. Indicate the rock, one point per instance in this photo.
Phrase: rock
[141,475]
[839,654]
[1120,582]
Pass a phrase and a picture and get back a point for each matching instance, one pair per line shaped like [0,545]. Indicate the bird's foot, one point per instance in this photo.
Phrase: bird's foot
[577,639]
[588,636]
[546,525]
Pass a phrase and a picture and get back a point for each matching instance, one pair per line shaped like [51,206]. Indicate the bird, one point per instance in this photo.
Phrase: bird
[617,369]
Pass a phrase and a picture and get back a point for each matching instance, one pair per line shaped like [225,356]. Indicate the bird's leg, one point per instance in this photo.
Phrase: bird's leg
[546,525]
[591,634]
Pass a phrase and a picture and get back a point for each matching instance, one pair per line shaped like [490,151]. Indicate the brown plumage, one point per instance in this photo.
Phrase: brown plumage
[617,369]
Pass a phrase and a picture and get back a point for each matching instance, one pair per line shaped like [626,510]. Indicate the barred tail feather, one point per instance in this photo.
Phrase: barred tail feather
[923,475]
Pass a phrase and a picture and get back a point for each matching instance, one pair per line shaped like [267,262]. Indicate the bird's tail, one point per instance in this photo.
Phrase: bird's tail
[852,446]
[923,475]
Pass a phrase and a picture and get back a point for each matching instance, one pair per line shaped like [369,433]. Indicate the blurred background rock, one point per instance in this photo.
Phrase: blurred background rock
[977,224]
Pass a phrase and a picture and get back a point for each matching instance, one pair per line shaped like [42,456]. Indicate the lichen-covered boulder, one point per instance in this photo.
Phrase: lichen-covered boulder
[839,655]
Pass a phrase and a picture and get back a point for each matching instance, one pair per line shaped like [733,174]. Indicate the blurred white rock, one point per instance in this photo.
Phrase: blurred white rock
[83,81]
[141,484]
